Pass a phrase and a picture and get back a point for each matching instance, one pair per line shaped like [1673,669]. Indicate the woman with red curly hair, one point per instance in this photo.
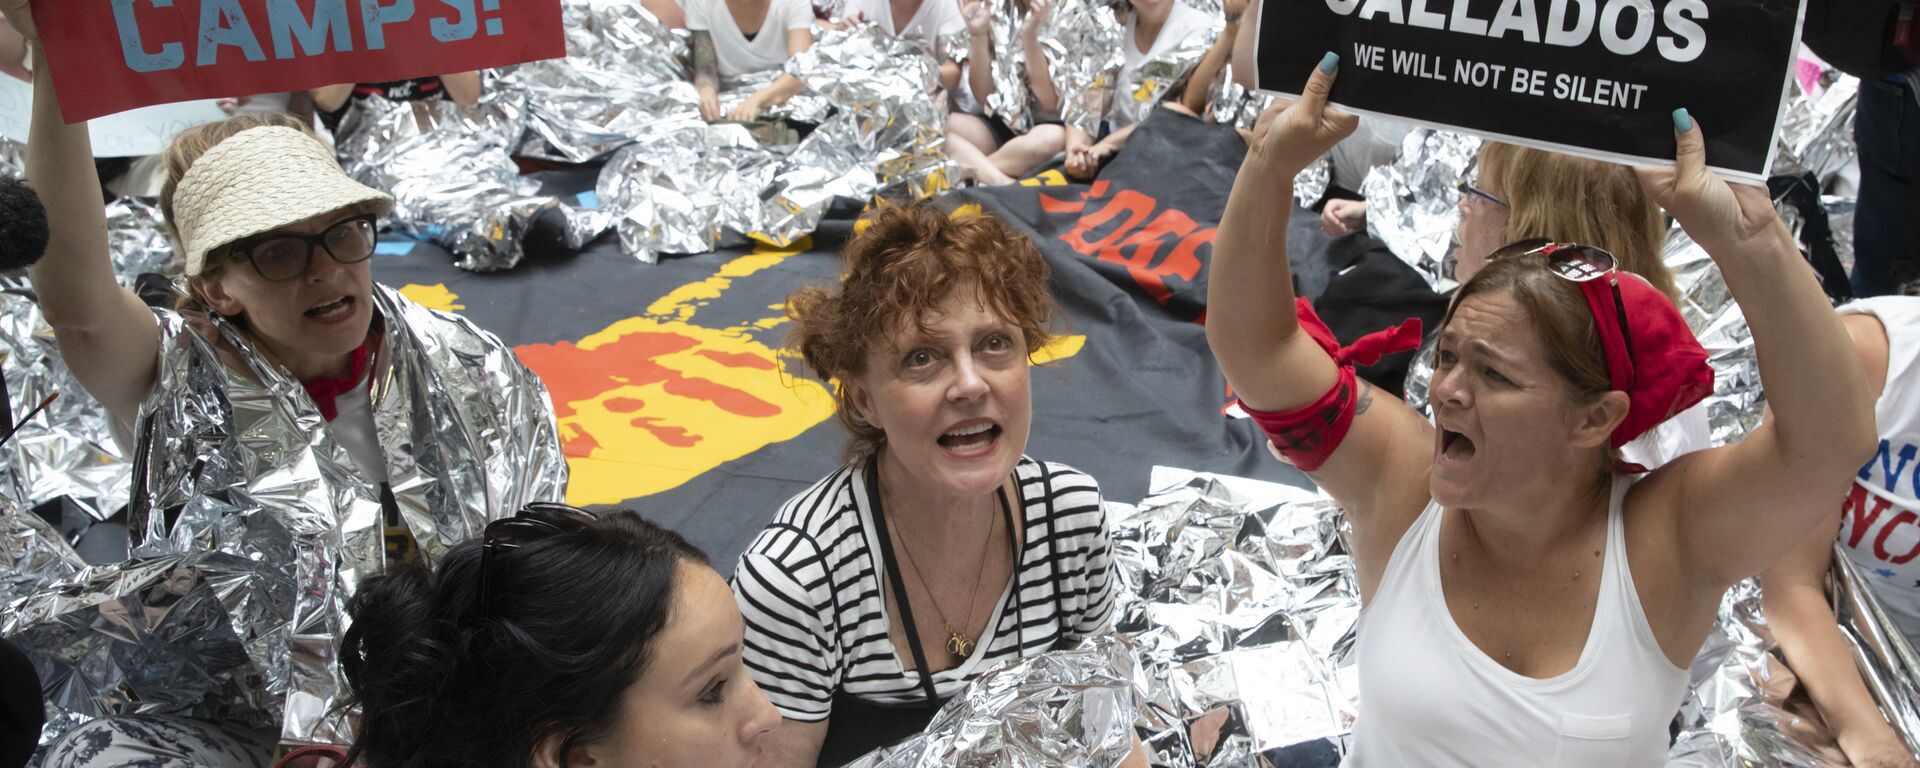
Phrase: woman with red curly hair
[940,549]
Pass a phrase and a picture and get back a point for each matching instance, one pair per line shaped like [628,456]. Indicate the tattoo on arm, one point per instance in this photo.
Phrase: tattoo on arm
[706,63]
[1366,397]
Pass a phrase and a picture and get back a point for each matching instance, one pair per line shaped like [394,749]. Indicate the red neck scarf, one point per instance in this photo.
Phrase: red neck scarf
[323,390]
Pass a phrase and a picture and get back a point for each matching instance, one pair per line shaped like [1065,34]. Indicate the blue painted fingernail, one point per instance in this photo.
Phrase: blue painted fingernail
[1682,122]
[1329,62]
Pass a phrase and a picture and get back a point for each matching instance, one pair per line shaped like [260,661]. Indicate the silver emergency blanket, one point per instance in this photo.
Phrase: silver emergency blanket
[33,556]
[245,481]
[1072,707]
[623,72]
[1083,43]
[13,159]
[1012,97]
[451,177]
[1235,608]
[1088,75]
[67,450]
[1413,204]
[689,186]
[137,241]
[1739,713]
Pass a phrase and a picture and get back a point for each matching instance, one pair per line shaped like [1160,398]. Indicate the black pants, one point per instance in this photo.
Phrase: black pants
[1886,221]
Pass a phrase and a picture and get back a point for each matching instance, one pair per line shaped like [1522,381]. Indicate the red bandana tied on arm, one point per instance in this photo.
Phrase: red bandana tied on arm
[1308,435]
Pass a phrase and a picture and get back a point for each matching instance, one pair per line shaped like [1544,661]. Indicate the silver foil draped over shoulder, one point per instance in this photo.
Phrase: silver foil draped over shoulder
[1083,41]
[240,482]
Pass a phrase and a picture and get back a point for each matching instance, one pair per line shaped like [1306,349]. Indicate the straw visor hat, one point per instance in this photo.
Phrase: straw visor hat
[259,180]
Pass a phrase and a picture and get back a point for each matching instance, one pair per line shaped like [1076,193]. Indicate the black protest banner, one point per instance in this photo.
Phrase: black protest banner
[1598,78]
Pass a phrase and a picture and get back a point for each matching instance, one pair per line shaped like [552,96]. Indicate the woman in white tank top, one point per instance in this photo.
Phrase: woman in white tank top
[1876,528]
[1529,600]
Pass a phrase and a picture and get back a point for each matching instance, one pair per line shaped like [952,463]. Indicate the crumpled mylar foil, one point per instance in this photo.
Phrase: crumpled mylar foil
[33,556]
[68,450]
[137,240]
[452,179]
[1074,707]
[13,159]
[1738,712]
[1413,205]
[689,186]
[1236,603]
[1083,42]
[623,71]
[159,635]
[1816,130]
[243,481]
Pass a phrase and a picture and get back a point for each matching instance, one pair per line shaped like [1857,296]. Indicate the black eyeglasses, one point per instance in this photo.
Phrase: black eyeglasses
[534,522]
[1579,264]
[285,257]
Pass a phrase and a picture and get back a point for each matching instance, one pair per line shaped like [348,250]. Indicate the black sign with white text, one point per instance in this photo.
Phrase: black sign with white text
[1598,78]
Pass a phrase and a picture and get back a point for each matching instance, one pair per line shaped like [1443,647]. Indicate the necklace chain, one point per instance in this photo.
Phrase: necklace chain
[958,643]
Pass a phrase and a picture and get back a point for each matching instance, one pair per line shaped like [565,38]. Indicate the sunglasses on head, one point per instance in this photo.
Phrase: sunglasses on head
[1579,264]
[535,521]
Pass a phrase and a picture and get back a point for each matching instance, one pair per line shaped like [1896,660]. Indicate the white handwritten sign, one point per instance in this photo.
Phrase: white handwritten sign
[144,131]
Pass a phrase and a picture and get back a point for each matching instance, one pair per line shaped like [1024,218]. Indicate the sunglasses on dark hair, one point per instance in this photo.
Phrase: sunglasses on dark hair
[1578,264]
[535,521]
[284,257]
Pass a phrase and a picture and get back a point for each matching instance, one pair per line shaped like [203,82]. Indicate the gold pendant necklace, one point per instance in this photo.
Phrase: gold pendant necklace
[958,643]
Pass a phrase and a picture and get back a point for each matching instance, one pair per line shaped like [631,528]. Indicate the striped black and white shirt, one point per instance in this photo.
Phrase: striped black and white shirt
[809,587]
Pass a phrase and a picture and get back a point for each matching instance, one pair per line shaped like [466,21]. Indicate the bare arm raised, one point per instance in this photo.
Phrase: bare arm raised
[1272,364]
[1736,509]
[109,338]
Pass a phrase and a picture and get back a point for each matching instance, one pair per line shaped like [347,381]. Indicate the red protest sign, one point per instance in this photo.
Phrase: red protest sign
[113,55]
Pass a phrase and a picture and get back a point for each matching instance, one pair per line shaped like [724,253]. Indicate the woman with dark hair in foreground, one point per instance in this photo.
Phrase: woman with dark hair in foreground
[555,639]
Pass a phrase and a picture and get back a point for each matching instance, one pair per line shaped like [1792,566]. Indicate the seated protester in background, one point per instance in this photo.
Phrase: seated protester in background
[985,143]
[1153,28]
[1886,339]
[554,639]
[733,38]
[668,12]
[927,22]
[331,102]
[1530,600]
[1513,193]
[281,316]
[939,550]
[1376,142]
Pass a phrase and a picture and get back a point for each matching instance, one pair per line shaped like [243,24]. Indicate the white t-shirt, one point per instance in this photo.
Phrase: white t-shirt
[739,55]
[1880,518]
[1183,21]
[352,427]
[934,19]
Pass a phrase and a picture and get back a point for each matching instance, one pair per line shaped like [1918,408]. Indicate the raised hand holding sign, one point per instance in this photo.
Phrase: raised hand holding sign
[1596,78]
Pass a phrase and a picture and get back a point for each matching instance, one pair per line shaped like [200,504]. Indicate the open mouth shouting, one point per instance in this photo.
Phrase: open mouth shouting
[334,311]
[1455,448]
[972,438]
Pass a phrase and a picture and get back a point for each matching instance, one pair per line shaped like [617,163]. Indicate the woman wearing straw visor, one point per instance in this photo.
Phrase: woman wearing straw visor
[290,411]
[1529,599]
